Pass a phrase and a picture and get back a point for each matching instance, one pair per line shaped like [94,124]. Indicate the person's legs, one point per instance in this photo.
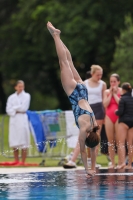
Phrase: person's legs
[75,152]
[120,139]
[67,78]
[74,71]
[76,76]
[24,154]
[72,161]
[16,154]
[110,131]
[130,148]
[100,123]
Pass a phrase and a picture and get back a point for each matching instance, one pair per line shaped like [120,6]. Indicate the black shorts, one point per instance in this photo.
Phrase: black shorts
[128,123]
[98,110]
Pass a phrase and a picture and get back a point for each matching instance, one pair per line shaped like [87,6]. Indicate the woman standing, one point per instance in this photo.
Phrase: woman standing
[96,88]
[111,101]
[19,132]
[125,126]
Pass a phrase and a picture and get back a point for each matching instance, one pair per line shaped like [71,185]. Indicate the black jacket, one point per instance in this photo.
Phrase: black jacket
[125,108]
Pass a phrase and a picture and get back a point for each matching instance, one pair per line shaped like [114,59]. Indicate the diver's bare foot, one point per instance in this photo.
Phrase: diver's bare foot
[90,173]
[128,167]
[52,29]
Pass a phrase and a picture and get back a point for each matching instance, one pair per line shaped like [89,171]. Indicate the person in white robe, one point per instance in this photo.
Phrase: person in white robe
[19,131]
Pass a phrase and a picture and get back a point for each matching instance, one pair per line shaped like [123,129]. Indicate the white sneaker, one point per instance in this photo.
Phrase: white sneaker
[68,157]
[98,165]
[70,164]
[110,163]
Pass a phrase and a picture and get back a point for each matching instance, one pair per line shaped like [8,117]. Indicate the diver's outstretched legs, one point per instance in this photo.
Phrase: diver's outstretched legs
[67,78]
[69,58]
[74,71]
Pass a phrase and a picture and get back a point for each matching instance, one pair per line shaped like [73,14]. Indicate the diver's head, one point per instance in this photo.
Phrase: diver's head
[93,138]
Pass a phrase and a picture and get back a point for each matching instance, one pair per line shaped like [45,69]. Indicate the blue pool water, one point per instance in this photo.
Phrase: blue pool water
[67,185]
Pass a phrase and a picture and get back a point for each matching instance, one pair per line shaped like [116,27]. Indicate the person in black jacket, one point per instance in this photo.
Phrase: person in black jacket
[125,126]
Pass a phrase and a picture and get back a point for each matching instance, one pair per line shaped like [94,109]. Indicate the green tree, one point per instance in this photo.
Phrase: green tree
[88,29]
[6,10]
[123,56]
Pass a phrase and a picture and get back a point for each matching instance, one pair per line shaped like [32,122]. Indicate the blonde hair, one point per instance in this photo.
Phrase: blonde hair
[94,68]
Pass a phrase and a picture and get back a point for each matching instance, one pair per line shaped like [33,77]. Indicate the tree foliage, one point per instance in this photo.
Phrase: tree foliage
[123,56]
[89,29]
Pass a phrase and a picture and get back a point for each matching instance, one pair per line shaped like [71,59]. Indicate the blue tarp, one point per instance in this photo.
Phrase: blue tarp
[38,129]
[43,122]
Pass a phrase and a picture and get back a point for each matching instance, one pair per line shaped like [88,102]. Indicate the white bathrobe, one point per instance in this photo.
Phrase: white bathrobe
[19,132]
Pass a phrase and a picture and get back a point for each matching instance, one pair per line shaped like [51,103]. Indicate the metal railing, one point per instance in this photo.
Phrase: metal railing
[55,145]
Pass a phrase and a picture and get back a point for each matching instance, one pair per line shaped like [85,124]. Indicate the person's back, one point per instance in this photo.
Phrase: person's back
[125,126]
[125,111]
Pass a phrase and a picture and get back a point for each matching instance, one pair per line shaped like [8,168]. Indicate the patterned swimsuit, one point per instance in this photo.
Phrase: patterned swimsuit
[80,92]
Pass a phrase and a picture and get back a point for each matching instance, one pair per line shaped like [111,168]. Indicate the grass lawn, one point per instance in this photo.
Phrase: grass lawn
[51,157]
[54,162]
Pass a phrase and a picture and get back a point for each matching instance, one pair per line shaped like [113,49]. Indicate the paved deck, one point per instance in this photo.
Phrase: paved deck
[12,170]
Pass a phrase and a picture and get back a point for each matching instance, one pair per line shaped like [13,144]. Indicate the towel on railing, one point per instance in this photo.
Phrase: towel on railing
[49,119]
[50,123]
[37,130]
[44,126]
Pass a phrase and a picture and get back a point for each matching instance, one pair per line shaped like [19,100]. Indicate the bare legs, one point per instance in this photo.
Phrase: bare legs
[16,154]
[67,77]
[111,130]
[74,71]
[24,154]
[76,152]
[130,148]
[121,141]
[68,55]
[124,135]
